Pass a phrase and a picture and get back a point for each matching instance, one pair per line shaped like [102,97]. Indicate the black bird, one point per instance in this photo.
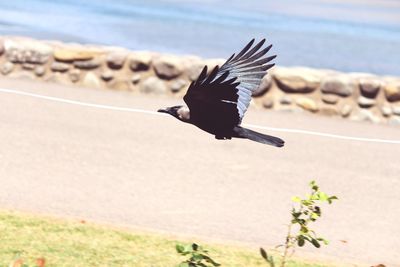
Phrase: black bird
[216,102]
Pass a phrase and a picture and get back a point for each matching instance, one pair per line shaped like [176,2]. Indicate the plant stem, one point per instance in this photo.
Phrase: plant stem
[287,245]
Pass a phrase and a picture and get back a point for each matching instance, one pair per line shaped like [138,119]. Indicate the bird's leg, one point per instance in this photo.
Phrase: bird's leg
[223,134]
[219,137]
[222,137]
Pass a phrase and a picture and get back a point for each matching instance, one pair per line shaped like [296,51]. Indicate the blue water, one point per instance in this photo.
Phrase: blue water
[352,35]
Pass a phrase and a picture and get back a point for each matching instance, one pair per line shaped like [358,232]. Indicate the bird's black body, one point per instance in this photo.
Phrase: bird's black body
[218,100]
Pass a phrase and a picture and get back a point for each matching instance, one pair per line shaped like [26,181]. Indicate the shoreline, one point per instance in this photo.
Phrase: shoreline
[354,96]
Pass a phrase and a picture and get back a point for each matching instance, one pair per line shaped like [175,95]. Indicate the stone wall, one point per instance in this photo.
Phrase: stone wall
[356,96]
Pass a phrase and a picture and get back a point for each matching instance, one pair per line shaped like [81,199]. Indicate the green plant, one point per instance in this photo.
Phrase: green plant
[304,211]
[198,257]
[269,259]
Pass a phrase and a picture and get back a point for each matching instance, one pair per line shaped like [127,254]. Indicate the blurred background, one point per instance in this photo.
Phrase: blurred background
[351,35]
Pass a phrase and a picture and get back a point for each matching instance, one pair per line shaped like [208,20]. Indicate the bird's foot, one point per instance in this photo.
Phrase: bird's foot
[221,137]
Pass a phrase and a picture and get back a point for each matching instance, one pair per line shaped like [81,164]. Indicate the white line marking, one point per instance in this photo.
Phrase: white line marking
[344,137]
[286,130]
[79,103]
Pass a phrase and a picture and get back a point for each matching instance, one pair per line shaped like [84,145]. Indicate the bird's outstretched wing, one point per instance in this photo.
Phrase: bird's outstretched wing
[224,95]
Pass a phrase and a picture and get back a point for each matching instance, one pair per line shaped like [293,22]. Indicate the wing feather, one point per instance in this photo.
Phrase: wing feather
[253,50]
[228,89]
[244,50]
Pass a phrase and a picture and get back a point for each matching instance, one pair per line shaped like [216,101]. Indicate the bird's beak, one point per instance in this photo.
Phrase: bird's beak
[164,110]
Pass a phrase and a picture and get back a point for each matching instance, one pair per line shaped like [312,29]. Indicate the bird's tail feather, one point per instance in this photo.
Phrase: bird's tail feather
[241,132]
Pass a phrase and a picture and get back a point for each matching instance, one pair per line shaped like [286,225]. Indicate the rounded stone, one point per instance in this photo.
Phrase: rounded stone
[15,56]
[338,85]
[107,75]
[307,104]
[285,100]
[365,102]
[193,71]
[1,47]
[346,110]
[91,80]
[23,44]
[265,85]
[296,80]
[27,56]
[140,61]
[36,58]
[116,60]
[135,78]
[392,91]
[40,71]
[386,111]
[74,75]
[167,67]
[330,99]
[73,54]
[370,87]
[6,68]
[212,63]
[59,66]
[177,85]
[396,110]
[87,64]
[365,115]
[268,103]
[153,85]
[28,66]
[121,85]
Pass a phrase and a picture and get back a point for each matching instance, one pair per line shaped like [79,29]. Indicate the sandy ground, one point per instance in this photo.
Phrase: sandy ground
[141,170]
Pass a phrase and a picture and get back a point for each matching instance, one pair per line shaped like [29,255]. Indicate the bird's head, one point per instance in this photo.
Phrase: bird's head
[180,112]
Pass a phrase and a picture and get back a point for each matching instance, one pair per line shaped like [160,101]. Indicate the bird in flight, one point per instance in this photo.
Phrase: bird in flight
[217,101]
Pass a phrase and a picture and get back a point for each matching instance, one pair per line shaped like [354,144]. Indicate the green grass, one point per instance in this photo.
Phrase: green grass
[66,243]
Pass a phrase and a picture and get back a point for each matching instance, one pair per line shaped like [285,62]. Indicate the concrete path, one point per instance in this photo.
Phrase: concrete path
[154,172]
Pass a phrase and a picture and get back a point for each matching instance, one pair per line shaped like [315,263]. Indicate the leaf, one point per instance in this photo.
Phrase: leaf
[184,264]
[332,198]
[214,263]
[296,199]
[296,214]
[314,185]
[315,243]
[300,241]
[271,261]
[323,196]
[198,257]
[264,254]
[188,249]
[195,247]
[180,248]
[317,210]
[314,216]
[326,242]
